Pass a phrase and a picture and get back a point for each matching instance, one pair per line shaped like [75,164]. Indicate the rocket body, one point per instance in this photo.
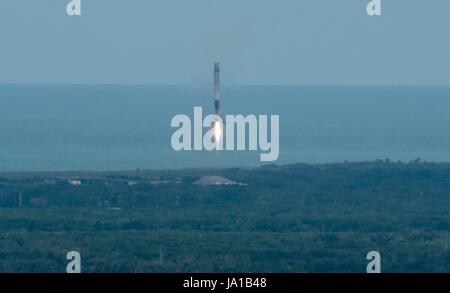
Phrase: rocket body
[217,125]
[217,88]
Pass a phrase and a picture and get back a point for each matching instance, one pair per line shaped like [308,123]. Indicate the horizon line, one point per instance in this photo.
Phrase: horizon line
[229,85]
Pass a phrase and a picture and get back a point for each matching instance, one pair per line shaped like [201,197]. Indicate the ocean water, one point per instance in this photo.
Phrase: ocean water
[112,127]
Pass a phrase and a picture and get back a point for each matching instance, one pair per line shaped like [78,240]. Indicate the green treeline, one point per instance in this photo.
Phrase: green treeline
[294,218]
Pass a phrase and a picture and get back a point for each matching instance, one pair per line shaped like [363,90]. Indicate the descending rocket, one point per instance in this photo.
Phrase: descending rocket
[217,88]
[218,129]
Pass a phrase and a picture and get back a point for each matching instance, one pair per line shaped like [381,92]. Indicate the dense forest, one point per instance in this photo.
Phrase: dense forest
[293,218]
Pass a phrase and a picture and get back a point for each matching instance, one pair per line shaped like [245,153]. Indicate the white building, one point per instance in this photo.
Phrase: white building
[75,182]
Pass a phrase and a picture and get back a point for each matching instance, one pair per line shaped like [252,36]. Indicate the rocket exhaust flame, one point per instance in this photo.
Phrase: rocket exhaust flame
[218,131]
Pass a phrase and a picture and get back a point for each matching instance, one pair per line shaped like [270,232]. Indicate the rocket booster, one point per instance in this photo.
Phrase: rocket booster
[217,88]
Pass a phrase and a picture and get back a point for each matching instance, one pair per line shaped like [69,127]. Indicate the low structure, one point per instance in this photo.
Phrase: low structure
[75,182]
[215,180]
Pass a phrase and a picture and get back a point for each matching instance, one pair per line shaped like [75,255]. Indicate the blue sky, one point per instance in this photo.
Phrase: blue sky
[295,42]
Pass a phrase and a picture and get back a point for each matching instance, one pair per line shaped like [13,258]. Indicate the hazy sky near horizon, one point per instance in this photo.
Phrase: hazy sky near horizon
[296,42]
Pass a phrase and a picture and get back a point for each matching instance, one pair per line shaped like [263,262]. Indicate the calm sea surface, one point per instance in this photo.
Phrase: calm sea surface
[128,127]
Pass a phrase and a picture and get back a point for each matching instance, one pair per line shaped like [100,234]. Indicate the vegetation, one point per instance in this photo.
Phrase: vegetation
[294,218]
